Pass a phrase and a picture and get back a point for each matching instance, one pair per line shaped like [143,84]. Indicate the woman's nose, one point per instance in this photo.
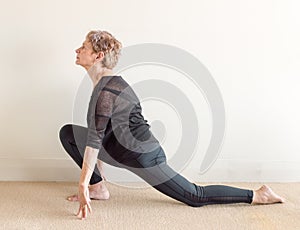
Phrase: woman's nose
[77,50]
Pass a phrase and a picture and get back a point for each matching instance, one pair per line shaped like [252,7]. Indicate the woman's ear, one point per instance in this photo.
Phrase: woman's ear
[100,56]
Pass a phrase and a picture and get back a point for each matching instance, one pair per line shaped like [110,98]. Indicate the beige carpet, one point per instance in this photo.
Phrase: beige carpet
[35,205]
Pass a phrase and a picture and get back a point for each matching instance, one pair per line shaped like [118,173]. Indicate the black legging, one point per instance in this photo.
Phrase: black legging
[153,168]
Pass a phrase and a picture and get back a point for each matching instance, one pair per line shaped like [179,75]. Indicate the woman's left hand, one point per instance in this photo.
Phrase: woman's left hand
[84,201]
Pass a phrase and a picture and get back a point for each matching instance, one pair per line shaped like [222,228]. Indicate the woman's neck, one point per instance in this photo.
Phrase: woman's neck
[99,76]
[97,73]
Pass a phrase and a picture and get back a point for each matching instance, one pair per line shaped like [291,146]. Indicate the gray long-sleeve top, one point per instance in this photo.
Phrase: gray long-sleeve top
[115,113]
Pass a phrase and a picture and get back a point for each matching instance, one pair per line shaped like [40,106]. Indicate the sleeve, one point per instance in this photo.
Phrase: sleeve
[98,119]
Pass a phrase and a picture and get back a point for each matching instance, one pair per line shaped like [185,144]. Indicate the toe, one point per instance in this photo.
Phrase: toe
[281,200]
[73,198]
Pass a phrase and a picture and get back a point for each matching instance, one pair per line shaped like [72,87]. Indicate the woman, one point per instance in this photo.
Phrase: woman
[118,135]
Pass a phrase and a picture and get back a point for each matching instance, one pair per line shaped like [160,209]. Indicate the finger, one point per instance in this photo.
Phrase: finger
[79,211]
[84,212]
[89,207]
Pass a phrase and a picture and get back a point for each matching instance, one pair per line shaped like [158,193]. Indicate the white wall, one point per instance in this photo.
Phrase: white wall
[250,47]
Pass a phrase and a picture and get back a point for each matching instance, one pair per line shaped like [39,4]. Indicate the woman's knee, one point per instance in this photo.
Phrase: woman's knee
[65,132]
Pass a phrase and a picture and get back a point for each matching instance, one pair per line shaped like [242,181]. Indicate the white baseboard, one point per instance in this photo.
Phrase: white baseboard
[229,170]
[224,170]
[38,170]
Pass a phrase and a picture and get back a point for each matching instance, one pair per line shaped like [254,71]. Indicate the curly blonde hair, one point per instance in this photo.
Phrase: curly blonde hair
[105,42]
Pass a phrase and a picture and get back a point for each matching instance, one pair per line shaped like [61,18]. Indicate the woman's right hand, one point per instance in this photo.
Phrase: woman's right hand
[84,202]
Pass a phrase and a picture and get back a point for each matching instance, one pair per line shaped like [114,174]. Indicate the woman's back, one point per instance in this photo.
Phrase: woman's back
[118,118]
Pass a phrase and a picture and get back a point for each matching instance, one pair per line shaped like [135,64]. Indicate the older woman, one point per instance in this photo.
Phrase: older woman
[118,134]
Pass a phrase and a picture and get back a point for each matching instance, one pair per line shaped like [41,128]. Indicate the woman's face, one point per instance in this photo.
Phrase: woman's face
[85,55]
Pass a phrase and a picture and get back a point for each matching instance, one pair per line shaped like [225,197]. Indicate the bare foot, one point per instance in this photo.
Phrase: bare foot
[264,195]
[97,192]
